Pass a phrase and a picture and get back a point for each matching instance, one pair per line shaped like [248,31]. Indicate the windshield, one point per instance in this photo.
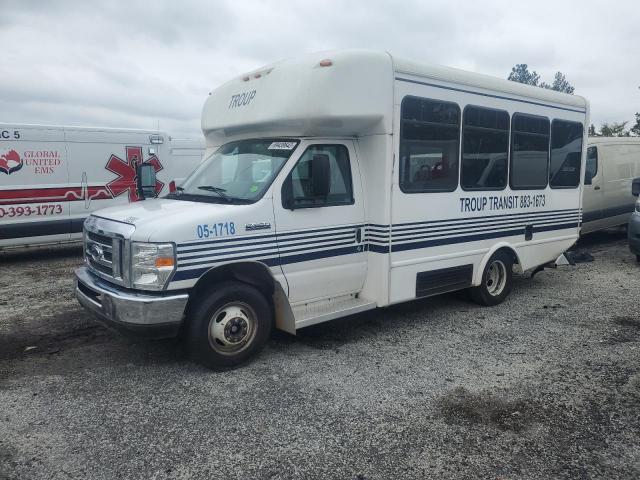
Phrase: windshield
[238,172]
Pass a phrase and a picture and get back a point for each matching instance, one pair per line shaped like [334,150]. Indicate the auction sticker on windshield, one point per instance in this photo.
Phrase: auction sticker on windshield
[282,145]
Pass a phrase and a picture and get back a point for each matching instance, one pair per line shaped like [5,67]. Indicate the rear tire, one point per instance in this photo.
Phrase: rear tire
[230,324]
[497,280]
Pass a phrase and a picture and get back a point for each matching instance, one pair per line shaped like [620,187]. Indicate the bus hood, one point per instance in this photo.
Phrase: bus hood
[169,220]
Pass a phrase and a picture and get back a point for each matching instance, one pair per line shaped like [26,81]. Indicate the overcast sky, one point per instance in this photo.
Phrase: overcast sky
[140,64]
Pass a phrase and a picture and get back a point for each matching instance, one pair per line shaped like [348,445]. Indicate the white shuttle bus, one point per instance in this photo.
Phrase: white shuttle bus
[52,177]
[337,183]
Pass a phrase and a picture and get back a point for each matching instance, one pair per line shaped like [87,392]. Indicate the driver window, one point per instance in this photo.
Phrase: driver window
[322,177]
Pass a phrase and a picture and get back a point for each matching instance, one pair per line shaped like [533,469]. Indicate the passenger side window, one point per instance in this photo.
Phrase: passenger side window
[566,154]
[429,145]
[529,151]
[591,168]
[321,178]
[485,147]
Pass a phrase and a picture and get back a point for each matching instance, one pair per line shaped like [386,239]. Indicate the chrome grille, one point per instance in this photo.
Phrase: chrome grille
[99,253]
[104,245]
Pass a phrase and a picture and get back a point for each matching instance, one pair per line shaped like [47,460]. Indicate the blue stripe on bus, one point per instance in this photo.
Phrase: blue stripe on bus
[493,217]
[399,237]
[189,263]
[495,222]
[370,229]
[266,239]
[187,257]
[287,258]
[271,262]
[473,238]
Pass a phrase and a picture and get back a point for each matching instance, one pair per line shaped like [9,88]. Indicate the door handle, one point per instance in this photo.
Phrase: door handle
[597,187]
[358,235]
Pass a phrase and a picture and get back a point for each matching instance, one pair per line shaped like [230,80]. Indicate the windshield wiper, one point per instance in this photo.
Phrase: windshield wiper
[218,190]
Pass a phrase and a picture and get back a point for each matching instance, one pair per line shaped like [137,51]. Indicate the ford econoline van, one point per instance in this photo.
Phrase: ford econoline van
[340,182]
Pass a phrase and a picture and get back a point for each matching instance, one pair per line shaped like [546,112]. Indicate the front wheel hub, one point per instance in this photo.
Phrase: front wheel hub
[232,327]
[235,330]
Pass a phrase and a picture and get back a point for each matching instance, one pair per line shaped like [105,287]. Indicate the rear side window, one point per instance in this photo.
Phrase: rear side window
[307,188]
[566,154]
[529,151]
[485,147]
[591,168]
[429,145]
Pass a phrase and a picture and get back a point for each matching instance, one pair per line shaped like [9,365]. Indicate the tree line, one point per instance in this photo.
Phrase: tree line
[521,74]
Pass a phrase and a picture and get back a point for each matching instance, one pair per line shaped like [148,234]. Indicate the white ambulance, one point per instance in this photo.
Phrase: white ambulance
[53,177]
[341,182]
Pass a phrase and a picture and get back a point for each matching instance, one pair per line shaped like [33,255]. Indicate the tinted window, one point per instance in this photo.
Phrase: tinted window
[591,168]
[429,145]
[529,151]
[485,146]
[566,154]
[307,180]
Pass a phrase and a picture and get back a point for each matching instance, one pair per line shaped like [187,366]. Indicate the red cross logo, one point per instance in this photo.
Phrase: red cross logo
[126,171]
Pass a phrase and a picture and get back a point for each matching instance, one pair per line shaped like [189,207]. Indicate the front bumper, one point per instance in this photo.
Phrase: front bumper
[147,314]
[634,233]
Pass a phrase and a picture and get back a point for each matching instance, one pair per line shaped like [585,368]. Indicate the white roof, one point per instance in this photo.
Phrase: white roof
[353,96]
[486,82]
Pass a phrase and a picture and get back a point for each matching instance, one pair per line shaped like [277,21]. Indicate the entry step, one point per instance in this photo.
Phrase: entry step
[323,310]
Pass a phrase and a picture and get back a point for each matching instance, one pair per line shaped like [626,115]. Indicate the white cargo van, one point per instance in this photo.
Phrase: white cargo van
[53,177]
[612,164]
[338,183]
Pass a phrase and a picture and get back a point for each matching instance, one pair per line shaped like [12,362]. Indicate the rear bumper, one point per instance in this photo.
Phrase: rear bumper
[149,315]
[634,233]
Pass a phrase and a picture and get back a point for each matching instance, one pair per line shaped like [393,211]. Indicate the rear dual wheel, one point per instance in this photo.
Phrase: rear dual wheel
[497,280]
[229,324]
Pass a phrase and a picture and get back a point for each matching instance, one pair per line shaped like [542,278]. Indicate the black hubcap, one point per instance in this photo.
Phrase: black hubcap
[235,330]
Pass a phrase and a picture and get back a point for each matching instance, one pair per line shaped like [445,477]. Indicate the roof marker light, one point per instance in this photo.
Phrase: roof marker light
[246,79]
[326,63]
[257,75]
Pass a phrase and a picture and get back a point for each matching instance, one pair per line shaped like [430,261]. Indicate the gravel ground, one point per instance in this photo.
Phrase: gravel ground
[546,385]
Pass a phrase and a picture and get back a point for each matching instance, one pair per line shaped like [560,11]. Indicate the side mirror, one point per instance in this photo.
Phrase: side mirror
[287,194]
[635,187]
[588,178]
[146,180]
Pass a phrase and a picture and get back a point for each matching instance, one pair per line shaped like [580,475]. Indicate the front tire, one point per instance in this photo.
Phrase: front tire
[497,280]
[230,324]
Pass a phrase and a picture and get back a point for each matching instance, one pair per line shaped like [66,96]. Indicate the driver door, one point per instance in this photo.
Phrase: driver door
[319,216]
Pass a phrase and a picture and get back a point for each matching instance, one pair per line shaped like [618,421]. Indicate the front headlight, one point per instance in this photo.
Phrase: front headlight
[151,264]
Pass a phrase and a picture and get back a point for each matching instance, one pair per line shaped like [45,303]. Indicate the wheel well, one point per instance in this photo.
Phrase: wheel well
[509,251]
[251,273]
[477,278]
